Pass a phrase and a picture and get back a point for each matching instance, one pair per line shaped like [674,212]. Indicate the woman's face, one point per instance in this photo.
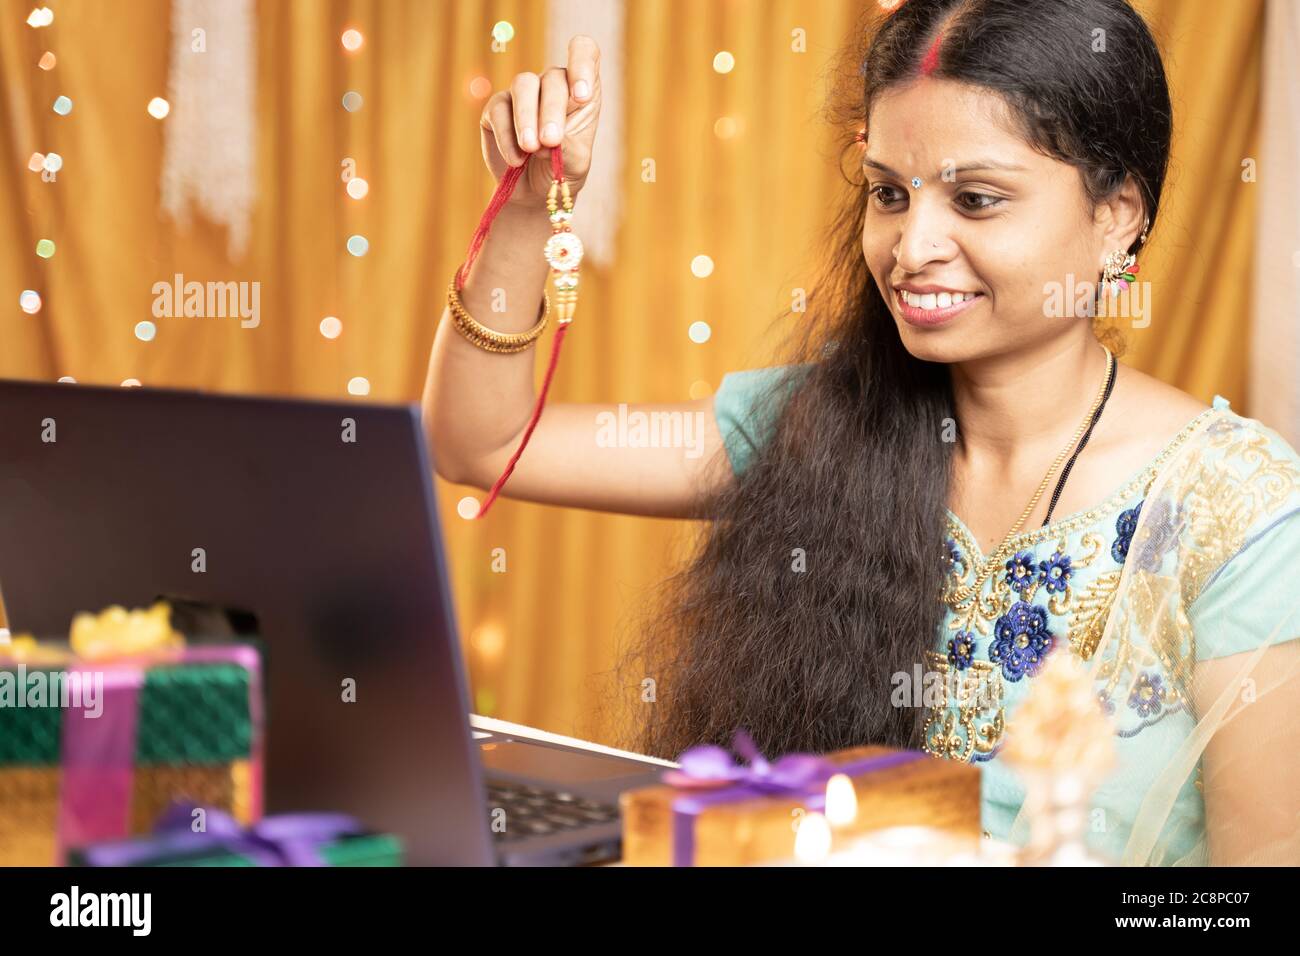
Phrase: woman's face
[991,217]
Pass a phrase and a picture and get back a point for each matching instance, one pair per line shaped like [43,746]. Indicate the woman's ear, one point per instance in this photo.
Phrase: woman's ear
[1121,217]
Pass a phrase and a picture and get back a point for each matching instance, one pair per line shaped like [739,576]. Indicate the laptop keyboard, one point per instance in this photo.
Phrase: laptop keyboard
[534,811]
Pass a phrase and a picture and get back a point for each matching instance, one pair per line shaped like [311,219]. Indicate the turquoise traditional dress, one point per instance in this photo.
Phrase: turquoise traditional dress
[1056,593]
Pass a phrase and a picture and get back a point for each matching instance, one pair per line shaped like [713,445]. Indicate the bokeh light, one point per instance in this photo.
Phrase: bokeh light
[158,107]
[40,17]
[724,62]
[45,248]
[467,507]
[53,162]
[37,162]
[62,106]
[47,61]
[131,383]
[728,127]
[359,386]
[331,327]
[503,31]
[358,245]
[30,301]
[352,40]
[358,187]
[702,267]
[480,87]
[352,101]
[145,331]
[699,332]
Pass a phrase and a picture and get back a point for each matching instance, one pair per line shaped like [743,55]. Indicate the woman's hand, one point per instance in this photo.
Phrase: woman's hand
[520,125]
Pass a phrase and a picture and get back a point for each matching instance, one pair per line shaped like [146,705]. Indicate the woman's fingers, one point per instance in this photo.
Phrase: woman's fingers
[554,105]
[524,97]
[584,64]
[498,118]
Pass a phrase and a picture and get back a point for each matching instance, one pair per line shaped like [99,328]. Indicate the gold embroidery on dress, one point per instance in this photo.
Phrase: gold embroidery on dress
[952,729]
[976,726]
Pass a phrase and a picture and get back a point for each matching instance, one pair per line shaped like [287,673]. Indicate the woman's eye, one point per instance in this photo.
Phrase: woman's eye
[982,201]
[879,192]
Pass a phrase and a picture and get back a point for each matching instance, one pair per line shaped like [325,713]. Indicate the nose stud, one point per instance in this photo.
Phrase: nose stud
[916,182]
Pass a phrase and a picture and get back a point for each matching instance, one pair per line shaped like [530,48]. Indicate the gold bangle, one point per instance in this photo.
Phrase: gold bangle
[488,339]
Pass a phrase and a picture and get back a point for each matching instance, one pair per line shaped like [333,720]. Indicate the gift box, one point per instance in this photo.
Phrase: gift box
[716,813]
[98,737]
[188,835]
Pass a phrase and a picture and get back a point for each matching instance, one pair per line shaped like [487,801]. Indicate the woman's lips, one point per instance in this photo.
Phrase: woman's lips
[928,318]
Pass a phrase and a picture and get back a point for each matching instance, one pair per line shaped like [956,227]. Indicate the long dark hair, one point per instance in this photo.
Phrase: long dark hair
[855,472]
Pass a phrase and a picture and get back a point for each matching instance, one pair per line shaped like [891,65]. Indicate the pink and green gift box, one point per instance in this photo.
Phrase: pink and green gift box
[87,766]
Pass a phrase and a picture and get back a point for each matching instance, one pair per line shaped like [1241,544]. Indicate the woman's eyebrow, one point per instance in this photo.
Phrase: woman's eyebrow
[969,167]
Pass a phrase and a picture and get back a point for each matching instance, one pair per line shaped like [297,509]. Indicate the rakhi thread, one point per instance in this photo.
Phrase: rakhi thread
[571,248]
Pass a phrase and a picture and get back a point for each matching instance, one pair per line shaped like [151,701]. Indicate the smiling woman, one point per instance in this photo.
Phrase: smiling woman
[1012,148]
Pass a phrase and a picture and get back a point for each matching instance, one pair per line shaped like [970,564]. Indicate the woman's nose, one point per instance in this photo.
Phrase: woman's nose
[922,240]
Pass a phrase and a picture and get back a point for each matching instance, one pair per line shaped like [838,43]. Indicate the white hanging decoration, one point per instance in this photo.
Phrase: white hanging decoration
[209,145]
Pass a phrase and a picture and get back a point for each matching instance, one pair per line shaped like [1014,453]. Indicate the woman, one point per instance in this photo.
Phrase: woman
[945,468]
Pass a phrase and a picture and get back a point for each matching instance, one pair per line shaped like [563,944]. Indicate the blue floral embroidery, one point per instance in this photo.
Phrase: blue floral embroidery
[1148,694]
[1054,574]
[1125,525]
[961,650]
[1107,705]
[1021,641]
[1020,571]
[952,553]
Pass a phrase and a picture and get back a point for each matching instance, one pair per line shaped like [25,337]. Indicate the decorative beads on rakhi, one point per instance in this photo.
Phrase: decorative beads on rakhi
[563,250]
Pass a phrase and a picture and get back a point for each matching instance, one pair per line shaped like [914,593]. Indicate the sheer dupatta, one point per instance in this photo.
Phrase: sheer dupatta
[1199,663]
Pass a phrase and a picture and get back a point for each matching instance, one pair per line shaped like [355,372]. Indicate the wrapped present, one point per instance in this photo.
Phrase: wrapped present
[99,737]
[716,812]
[189,835]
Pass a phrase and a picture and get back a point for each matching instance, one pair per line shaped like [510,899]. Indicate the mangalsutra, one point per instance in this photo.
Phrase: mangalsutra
[964,592]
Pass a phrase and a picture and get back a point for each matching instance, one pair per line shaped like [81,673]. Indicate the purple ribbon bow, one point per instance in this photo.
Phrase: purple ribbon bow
[288,839]
[708,766]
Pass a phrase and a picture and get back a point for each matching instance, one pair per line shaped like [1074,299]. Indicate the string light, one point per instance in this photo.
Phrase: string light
[352,40]
[30,301]
[358,187]
[158,107]
[724,62]
[331,327]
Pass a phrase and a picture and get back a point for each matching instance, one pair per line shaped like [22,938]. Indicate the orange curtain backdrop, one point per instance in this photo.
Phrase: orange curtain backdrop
[540,638]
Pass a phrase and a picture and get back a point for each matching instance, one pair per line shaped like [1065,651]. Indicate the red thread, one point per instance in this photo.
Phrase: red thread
[503,191]
[931,59]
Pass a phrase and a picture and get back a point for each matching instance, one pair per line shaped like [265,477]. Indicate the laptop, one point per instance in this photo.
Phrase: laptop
[319,531]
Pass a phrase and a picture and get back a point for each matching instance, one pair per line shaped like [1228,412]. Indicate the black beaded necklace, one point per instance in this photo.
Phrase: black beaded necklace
[1065,472]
